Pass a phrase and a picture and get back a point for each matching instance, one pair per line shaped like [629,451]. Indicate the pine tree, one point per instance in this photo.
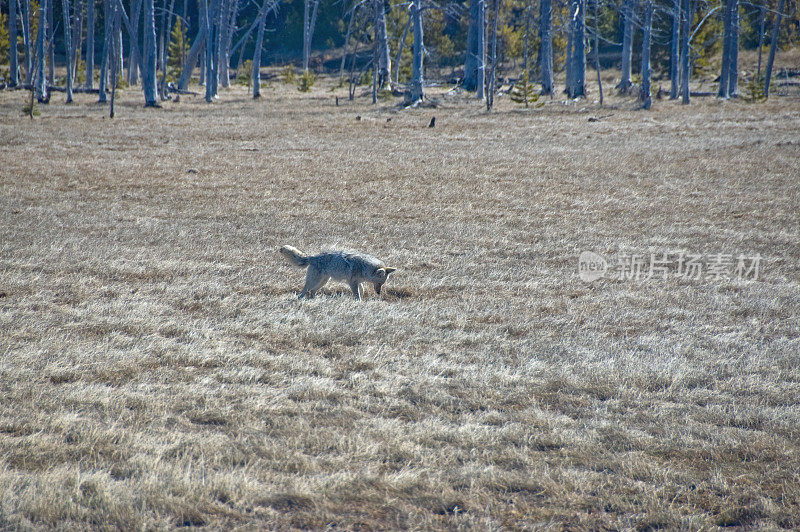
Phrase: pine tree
[177,51]
[523,91]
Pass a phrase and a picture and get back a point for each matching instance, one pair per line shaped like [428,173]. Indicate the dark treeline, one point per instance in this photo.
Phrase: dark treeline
[511,38]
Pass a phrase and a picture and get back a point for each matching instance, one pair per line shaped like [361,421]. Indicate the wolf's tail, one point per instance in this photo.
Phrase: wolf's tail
[295,256]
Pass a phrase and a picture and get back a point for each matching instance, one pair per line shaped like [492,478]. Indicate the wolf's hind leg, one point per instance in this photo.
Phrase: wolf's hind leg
[314,281]
[319,285]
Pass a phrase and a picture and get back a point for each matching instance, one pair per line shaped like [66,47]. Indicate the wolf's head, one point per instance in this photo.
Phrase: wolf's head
[379,277]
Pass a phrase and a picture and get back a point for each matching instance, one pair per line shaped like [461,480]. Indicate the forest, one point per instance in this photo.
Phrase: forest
[394,46]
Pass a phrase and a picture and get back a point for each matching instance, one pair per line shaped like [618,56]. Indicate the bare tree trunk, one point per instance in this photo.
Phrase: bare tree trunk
[50,44]
[417,60]
[761,21]
[733,47]
[597,51]
[149,82]
[133,40]
[493,72]
[27,40]
[105,55]
[118,48]
[67,46]
[471,58]
[576,51]
[165,51]
[687,16]
[644,94]
[13,53]
[215,64]
[209,56]
[726,50]
[257,52]
[41,51]
[773,46]
[375,52]
[579,50]
[627,46]
[399,56]
[90,43]
[115,52]
[309,20]
[546,48]
[384,58]
[222,22]
[229,27]
[191,58]
[480,46]
[674,46]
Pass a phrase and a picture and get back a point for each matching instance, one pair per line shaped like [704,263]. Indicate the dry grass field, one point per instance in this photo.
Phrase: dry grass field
[158,371]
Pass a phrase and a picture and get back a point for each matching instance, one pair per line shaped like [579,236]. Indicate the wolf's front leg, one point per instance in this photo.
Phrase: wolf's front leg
[356,288]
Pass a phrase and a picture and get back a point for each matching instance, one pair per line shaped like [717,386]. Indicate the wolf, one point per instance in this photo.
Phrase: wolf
[349,266]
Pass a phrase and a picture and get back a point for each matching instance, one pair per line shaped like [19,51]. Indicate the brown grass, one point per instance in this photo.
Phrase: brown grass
[157,370]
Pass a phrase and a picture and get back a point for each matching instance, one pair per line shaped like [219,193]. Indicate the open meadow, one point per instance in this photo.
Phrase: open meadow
[157,369]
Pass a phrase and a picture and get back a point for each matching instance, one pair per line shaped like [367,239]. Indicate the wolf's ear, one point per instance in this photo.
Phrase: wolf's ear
[389,270]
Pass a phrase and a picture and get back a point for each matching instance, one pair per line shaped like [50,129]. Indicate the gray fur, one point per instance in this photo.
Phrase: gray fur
[351,267]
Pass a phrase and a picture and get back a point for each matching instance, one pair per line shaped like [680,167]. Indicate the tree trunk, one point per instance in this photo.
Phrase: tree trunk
[398,58]
[27,41]
[209,55]
[89,43]
[597,51]
[67,46]
[733,57]
[257,52]
[104,57]
[417,60]
[375,51]
[674,46]
[773,46]
[133,40]
[116,49]
[191,58]
[216,20]
[726,50]
[149,83]
[40,84]
[687,16]
[309,20]
[577,57]
[384,58]
[222,61]
[480,46]
[627,46]
[50,43]
[13,59]
[644,94]
[761,21]
[493,72]
[471,58]
[230,23]
[546,48]
[568,64]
